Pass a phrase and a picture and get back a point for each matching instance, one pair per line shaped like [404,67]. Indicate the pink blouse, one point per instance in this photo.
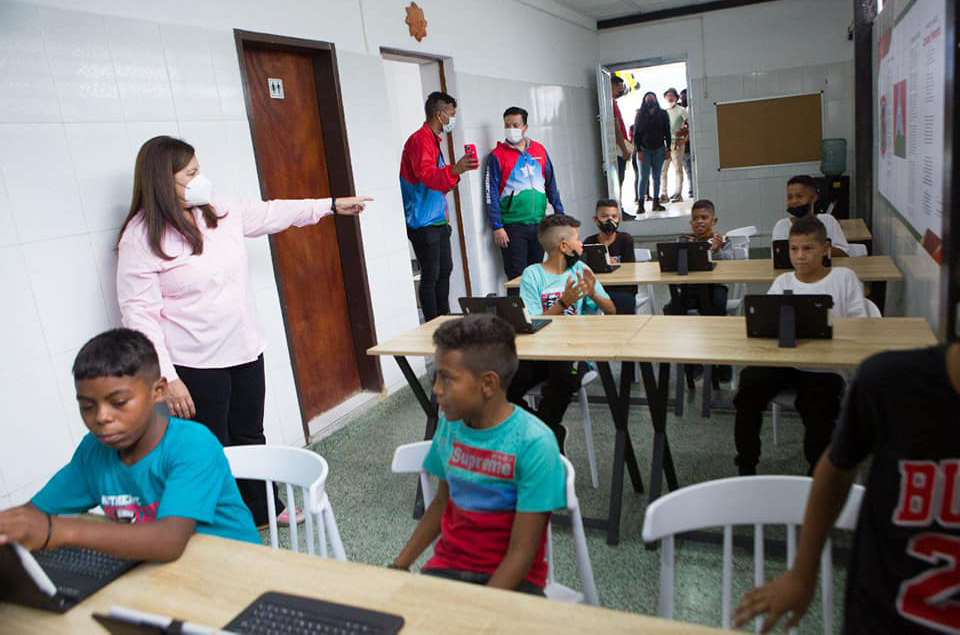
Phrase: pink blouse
[198,309]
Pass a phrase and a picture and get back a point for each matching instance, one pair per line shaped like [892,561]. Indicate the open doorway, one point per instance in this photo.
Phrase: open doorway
[410,78]
[677,182]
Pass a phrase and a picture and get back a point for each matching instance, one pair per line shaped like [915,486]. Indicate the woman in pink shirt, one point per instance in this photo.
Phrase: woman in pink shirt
[182,280]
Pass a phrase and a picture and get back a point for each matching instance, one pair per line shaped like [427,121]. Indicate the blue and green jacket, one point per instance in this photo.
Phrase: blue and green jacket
[519,184]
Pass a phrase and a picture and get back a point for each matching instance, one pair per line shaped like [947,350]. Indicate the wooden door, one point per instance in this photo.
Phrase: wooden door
[288,138]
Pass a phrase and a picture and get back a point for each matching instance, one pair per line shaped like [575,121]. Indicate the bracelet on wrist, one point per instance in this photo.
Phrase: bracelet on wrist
[333,204]
[46,542]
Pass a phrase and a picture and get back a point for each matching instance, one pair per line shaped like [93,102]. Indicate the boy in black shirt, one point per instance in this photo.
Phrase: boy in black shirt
[620,248]
[903,575]
[708,299]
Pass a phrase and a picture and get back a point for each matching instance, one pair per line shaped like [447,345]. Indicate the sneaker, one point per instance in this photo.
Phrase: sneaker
[284,517]
[676,198]
[561,432]
[657,207]
[628,216]
[664,199]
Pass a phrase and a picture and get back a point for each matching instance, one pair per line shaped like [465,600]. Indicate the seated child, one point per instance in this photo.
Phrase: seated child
[902,411]
[818,393]
[499,470]
[708,299]
[561,285]
[620,248]
[801,203]
[161,479]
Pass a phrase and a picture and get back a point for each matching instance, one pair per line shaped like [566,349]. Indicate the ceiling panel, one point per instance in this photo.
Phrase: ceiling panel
[604,9]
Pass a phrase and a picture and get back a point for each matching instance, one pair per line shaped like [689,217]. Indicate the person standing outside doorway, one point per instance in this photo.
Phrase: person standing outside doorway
[688,153]
[651,133]
[425,179]
[678,142]
[519,181]
[618,88]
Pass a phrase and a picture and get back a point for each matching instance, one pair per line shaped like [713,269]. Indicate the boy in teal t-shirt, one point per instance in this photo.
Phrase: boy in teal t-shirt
[499,467]
[160,478]
[561,285]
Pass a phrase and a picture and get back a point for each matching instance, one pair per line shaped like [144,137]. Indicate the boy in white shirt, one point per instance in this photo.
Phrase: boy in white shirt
[801,203]
[818,393]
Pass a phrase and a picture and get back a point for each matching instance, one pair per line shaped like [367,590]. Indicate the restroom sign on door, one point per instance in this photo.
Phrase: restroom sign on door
[276,87]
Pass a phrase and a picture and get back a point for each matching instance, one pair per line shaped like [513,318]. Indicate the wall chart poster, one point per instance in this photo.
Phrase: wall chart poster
[911,50]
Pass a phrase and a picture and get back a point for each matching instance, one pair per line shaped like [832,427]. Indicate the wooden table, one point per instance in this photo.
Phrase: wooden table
[685,339]
[595,338]
[216,578]
[694,339]
[855,230]
[867,268]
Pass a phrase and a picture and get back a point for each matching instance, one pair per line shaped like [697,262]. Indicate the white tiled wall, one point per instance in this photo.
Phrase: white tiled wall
[81,91]
[563,119]
[755,196]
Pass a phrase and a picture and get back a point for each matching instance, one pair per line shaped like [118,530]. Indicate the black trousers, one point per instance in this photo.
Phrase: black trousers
[562,381]
[523,249]
[431,245]
[625,301]
[708,299]
[818,401]
[479,578]
[229,401]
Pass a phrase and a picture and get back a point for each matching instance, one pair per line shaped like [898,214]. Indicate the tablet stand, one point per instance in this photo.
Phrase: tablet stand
[683,268]
[788,324]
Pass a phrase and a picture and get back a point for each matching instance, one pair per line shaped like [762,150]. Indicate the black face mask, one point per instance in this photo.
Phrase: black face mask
[651,105]
[571,259]
[799,210]
[608,226]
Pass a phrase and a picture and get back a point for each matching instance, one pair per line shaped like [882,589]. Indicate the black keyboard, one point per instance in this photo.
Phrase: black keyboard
[84,562]
[282,614]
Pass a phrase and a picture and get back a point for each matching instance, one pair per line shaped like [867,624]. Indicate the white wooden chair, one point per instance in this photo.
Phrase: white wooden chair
[645,298]
[788,397]
[583,400]
[295,467]
[730,502]
[856,250]
[408,459]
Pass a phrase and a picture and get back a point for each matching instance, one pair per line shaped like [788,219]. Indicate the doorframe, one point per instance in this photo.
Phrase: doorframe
[461,236]
[340,175]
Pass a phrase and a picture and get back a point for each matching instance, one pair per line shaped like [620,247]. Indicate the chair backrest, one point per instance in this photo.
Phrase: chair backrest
[747,231]
[744,500]
[408,459]
[295,467]
[856,250]
[872,309]
[642,255]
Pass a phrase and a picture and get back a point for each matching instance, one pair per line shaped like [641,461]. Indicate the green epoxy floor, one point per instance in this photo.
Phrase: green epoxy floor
[373,506]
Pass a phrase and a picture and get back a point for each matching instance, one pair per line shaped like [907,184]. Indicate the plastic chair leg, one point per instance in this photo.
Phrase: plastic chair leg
[588,434]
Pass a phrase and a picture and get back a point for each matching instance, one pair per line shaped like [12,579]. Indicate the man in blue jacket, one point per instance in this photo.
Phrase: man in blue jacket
[425,180]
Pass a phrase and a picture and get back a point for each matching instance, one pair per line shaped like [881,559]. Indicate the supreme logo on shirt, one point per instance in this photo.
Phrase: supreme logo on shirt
[487,462]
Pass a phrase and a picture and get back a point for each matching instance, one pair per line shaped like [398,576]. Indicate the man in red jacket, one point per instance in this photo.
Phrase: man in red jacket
[425,179]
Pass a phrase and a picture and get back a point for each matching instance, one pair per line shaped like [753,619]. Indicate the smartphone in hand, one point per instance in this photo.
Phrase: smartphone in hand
[470,149]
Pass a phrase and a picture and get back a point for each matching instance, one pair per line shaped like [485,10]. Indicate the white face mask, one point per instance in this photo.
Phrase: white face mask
[514,135]
[448,127]
[198,190]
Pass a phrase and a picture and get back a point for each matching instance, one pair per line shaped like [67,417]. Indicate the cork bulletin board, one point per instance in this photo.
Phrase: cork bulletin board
[770,131]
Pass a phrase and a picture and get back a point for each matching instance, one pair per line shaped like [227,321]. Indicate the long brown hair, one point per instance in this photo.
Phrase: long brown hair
[154,194]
